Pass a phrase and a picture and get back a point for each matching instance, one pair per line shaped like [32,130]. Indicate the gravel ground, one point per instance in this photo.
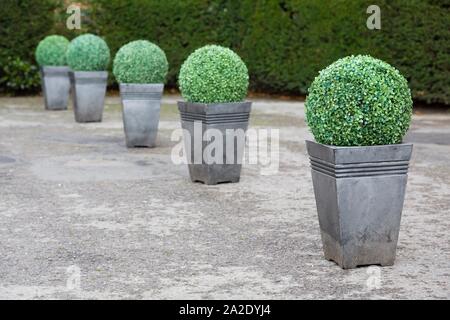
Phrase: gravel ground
[82,216]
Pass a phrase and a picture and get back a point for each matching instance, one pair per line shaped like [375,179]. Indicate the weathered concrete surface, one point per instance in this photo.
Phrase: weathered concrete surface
[73,196]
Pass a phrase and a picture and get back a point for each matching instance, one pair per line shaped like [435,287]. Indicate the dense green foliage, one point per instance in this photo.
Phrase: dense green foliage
[288,42]
[415,38]
[178,27]
[51,51]
[88,52]
[19,76]
[284,43]
[213,74]
[358,101]
[140,62]
[22,25]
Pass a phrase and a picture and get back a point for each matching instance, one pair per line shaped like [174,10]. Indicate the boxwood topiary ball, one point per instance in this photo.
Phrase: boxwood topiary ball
[51,51]
[359,101]
[88,53]
[140,62]
[213,74]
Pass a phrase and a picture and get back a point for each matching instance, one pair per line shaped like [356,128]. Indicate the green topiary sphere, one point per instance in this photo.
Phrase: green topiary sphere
[88,53]
[359,101]
[140,62]
[51,51]
[213,74]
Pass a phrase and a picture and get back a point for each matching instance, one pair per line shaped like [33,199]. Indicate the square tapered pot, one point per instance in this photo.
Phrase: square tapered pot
[359,195]
[204,123]
[88,92]
[55,87]
[141,105]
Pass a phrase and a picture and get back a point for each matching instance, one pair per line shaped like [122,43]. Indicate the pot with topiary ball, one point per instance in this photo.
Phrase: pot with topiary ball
[140,67]
[88,57]
[214,116]
[51,57]
[358,109]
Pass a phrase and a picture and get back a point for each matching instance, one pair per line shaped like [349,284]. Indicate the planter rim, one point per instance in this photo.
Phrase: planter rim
[359,147]
[54,71]
[89,74]
[215,108]
[359,154]
[214,103]
[144,92]
[56,68]
[133,87]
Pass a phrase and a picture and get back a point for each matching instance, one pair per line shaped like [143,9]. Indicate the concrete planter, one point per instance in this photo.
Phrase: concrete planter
[88,91]
[55,87]
[141,107]
[359,196]
[218,117]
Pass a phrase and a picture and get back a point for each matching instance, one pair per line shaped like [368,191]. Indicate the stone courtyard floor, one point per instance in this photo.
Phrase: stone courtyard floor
[82,216]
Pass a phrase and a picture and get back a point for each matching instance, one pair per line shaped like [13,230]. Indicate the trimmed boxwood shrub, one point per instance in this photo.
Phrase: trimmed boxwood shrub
[51,51]
[358,101]
[213,74]
[88,52]
[140,62]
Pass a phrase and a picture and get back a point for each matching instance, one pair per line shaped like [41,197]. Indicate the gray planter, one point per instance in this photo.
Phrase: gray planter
[88,91]
[55,87]
[141,107]
[221,117]
[359,196]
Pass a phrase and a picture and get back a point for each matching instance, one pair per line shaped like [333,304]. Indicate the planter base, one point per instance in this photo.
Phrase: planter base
[359,197]
[141,105]
[214,173]
[350,257]
[219,118]
[55,87]
[88,89]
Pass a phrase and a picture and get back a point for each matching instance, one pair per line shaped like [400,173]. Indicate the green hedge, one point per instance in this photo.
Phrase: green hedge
[289,41]
[416,39]
[22,25]
[178,27]
[286,42]
[283,42]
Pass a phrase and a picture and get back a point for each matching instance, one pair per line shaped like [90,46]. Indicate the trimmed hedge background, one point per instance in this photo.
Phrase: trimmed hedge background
[288,42]
[178,27]
[283,42]
[22,25]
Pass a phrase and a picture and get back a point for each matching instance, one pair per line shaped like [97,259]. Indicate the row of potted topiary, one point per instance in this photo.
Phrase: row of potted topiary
[213,81]
[79,64]
[358,108]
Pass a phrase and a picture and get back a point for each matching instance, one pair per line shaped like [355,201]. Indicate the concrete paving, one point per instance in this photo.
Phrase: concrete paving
[82,216]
